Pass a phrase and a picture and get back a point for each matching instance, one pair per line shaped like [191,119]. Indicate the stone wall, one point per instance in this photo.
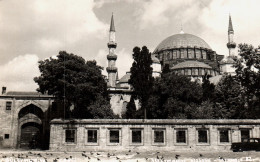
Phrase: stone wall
[148,129]
[9,121]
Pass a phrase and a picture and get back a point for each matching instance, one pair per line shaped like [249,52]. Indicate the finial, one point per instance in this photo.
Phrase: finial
[182,32]
[230,26]
[112,26]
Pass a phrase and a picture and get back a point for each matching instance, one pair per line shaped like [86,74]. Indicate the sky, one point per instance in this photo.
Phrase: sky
[34,30]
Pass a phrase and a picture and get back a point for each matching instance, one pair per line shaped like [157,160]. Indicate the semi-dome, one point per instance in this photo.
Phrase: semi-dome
[181,41]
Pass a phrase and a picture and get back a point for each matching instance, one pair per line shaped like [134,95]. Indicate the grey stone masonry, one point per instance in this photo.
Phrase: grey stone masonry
[149,134]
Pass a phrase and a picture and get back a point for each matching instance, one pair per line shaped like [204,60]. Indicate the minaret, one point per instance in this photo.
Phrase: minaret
[231,45]
[112,57]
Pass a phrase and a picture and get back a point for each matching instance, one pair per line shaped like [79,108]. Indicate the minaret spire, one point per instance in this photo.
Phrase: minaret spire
[231,45]
[112,57]
[112,26]
[230,26]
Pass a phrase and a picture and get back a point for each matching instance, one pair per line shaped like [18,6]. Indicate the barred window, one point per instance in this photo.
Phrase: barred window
[203,136]
[180,136]
[92,136]
[70,135]
[245,133]
[223,135]
[136,135]
[114,136]
[158,136]
[8,105]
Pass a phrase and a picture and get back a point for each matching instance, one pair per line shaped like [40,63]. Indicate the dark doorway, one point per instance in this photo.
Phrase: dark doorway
[31,135]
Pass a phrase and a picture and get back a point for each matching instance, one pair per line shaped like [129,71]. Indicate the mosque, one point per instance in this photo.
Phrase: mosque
[184,53]
[25,116]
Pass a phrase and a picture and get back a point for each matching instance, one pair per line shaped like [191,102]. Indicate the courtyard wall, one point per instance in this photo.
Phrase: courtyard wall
[153,134]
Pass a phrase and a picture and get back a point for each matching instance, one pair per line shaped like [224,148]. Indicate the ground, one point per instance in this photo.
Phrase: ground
[131,155]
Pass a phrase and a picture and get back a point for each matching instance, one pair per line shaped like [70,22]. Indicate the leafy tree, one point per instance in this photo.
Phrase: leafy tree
[100,109]
[75,82]
[130,110]
[228,100]
[203,111]
[172,96]
[208,88]
[141,76]
[248,75]
[166,69]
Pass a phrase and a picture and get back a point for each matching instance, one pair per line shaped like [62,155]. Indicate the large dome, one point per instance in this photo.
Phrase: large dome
[181,40]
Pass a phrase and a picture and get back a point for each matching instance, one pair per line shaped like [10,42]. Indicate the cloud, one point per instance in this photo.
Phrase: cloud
[244,15]
[124,62]
[101,59]
[158,13]
[47,26]
[18,74]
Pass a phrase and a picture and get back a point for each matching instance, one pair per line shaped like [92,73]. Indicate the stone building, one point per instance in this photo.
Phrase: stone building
[25,116]
[185,54]
[24,119]
[150,135]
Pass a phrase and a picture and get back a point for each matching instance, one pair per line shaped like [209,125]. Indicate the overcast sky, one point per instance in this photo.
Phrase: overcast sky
[32,30]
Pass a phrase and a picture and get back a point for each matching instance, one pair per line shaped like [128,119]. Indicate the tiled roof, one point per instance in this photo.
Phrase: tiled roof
[227,60]
[155,59]
[125,78]
[181,40]
[24,93]
[191,64]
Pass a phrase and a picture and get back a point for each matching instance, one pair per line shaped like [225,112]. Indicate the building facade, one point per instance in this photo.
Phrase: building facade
[150,135]
[25,116]
[185,54]
[25,119]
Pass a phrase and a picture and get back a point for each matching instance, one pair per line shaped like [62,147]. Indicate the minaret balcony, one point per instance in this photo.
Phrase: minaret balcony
[231,45]
[111,69]
[111,57]
[111,44]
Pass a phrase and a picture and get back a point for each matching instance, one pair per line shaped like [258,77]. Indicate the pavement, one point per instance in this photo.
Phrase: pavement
[127,156]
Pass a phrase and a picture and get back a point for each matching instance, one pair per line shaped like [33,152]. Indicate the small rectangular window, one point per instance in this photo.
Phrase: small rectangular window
[158,136]
[70,135]
[191,53]
[174,54]
[6,136]
[204,55]
[92,136]
[245,133]
[114,136]
[198,54]
[224,135]
[202,136]
[8,105]
[136,136]
[180,136]
[182,53]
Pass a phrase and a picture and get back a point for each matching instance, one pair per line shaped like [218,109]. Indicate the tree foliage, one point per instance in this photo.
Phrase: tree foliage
[208,88]
[248,75]
[228,100]
[130,110]
[79,84]
[141,75]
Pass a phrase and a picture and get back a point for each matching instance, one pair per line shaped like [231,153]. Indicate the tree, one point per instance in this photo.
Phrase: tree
[248,75]
[228,100]
[75,82]
[141,76]
[130,109]
[203,111]
[208,88]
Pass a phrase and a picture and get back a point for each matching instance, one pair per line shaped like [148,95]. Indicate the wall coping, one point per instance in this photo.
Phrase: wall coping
[159,121]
